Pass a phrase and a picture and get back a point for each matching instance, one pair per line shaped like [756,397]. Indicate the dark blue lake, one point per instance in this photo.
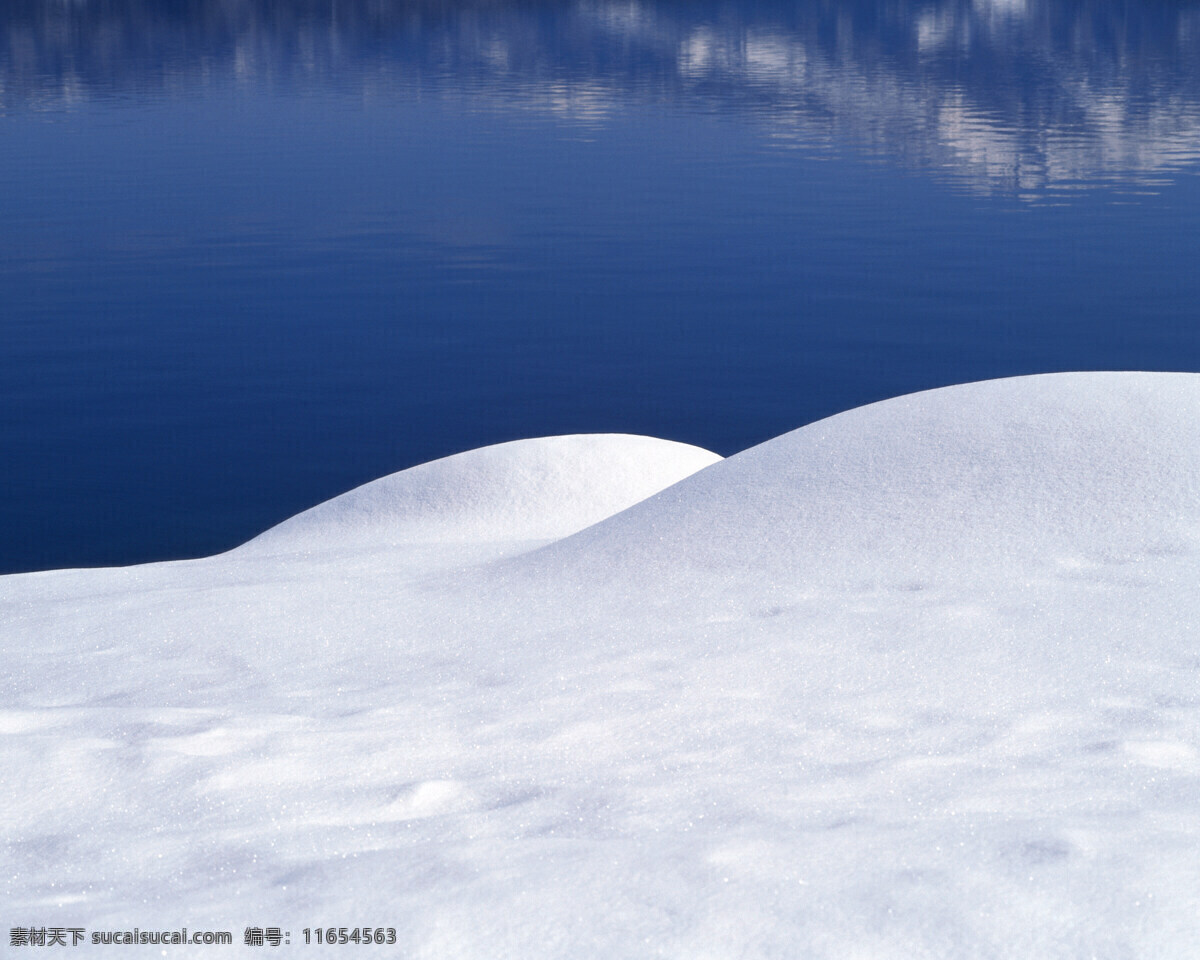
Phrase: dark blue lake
[256,252]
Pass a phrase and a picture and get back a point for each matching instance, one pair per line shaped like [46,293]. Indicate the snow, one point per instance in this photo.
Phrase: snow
[919,680]
[542,489]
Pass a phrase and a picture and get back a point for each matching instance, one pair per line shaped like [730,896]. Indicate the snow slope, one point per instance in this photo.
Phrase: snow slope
[919,680]
[1024,471]
[541,489]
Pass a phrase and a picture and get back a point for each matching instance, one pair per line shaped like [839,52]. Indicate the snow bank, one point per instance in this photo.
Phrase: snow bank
[920,680]
[1017,473]
[538,489]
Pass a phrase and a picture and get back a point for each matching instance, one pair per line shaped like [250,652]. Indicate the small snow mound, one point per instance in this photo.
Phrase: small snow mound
[1095,467]
[539,489]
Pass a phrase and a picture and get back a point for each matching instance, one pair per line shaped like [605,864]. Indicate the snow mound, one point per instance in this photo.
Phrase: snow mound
[539,489]
[919,680]
[1054,468]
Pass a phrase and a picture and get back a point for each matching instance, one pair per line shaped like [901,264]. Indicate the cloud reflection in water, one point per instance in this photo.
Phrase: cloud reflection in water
[1029,97]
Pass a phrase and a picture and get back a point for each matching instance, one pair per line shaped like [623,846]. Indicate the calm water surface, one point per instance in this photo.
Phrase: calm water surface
[256,252]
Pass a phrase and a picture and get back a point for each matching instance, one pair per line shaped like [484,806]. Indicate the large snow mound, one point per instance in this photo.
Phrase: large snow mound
[538,489]
[920,680]
[1062,468]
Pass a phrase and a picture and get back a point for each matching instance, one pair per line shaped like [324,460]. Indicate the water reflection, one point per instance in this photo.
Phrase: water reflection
[1018,96]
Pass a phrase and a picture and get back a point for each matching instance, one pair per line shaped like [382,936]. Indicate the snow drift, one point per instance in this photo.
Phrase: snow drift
[1019,473]
[538,489]
[919,680]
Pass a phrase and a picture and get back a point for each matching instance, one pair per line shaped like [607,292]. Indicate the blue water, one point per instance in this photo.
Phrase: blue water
[256,252]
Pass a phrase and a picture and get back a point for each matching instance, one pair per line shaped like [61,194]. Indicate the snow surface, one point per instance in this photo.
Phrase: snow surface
[495,498]
[919,680]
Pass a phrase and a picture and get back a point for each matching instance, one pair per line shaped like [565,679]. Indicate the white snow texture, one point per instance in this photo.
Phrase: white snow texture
[920,680]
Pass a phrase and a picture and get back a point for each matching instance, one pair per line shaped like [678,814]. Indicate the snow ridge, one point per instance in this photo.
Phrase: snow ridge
[539,489]
[919,680]
[1020,472]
